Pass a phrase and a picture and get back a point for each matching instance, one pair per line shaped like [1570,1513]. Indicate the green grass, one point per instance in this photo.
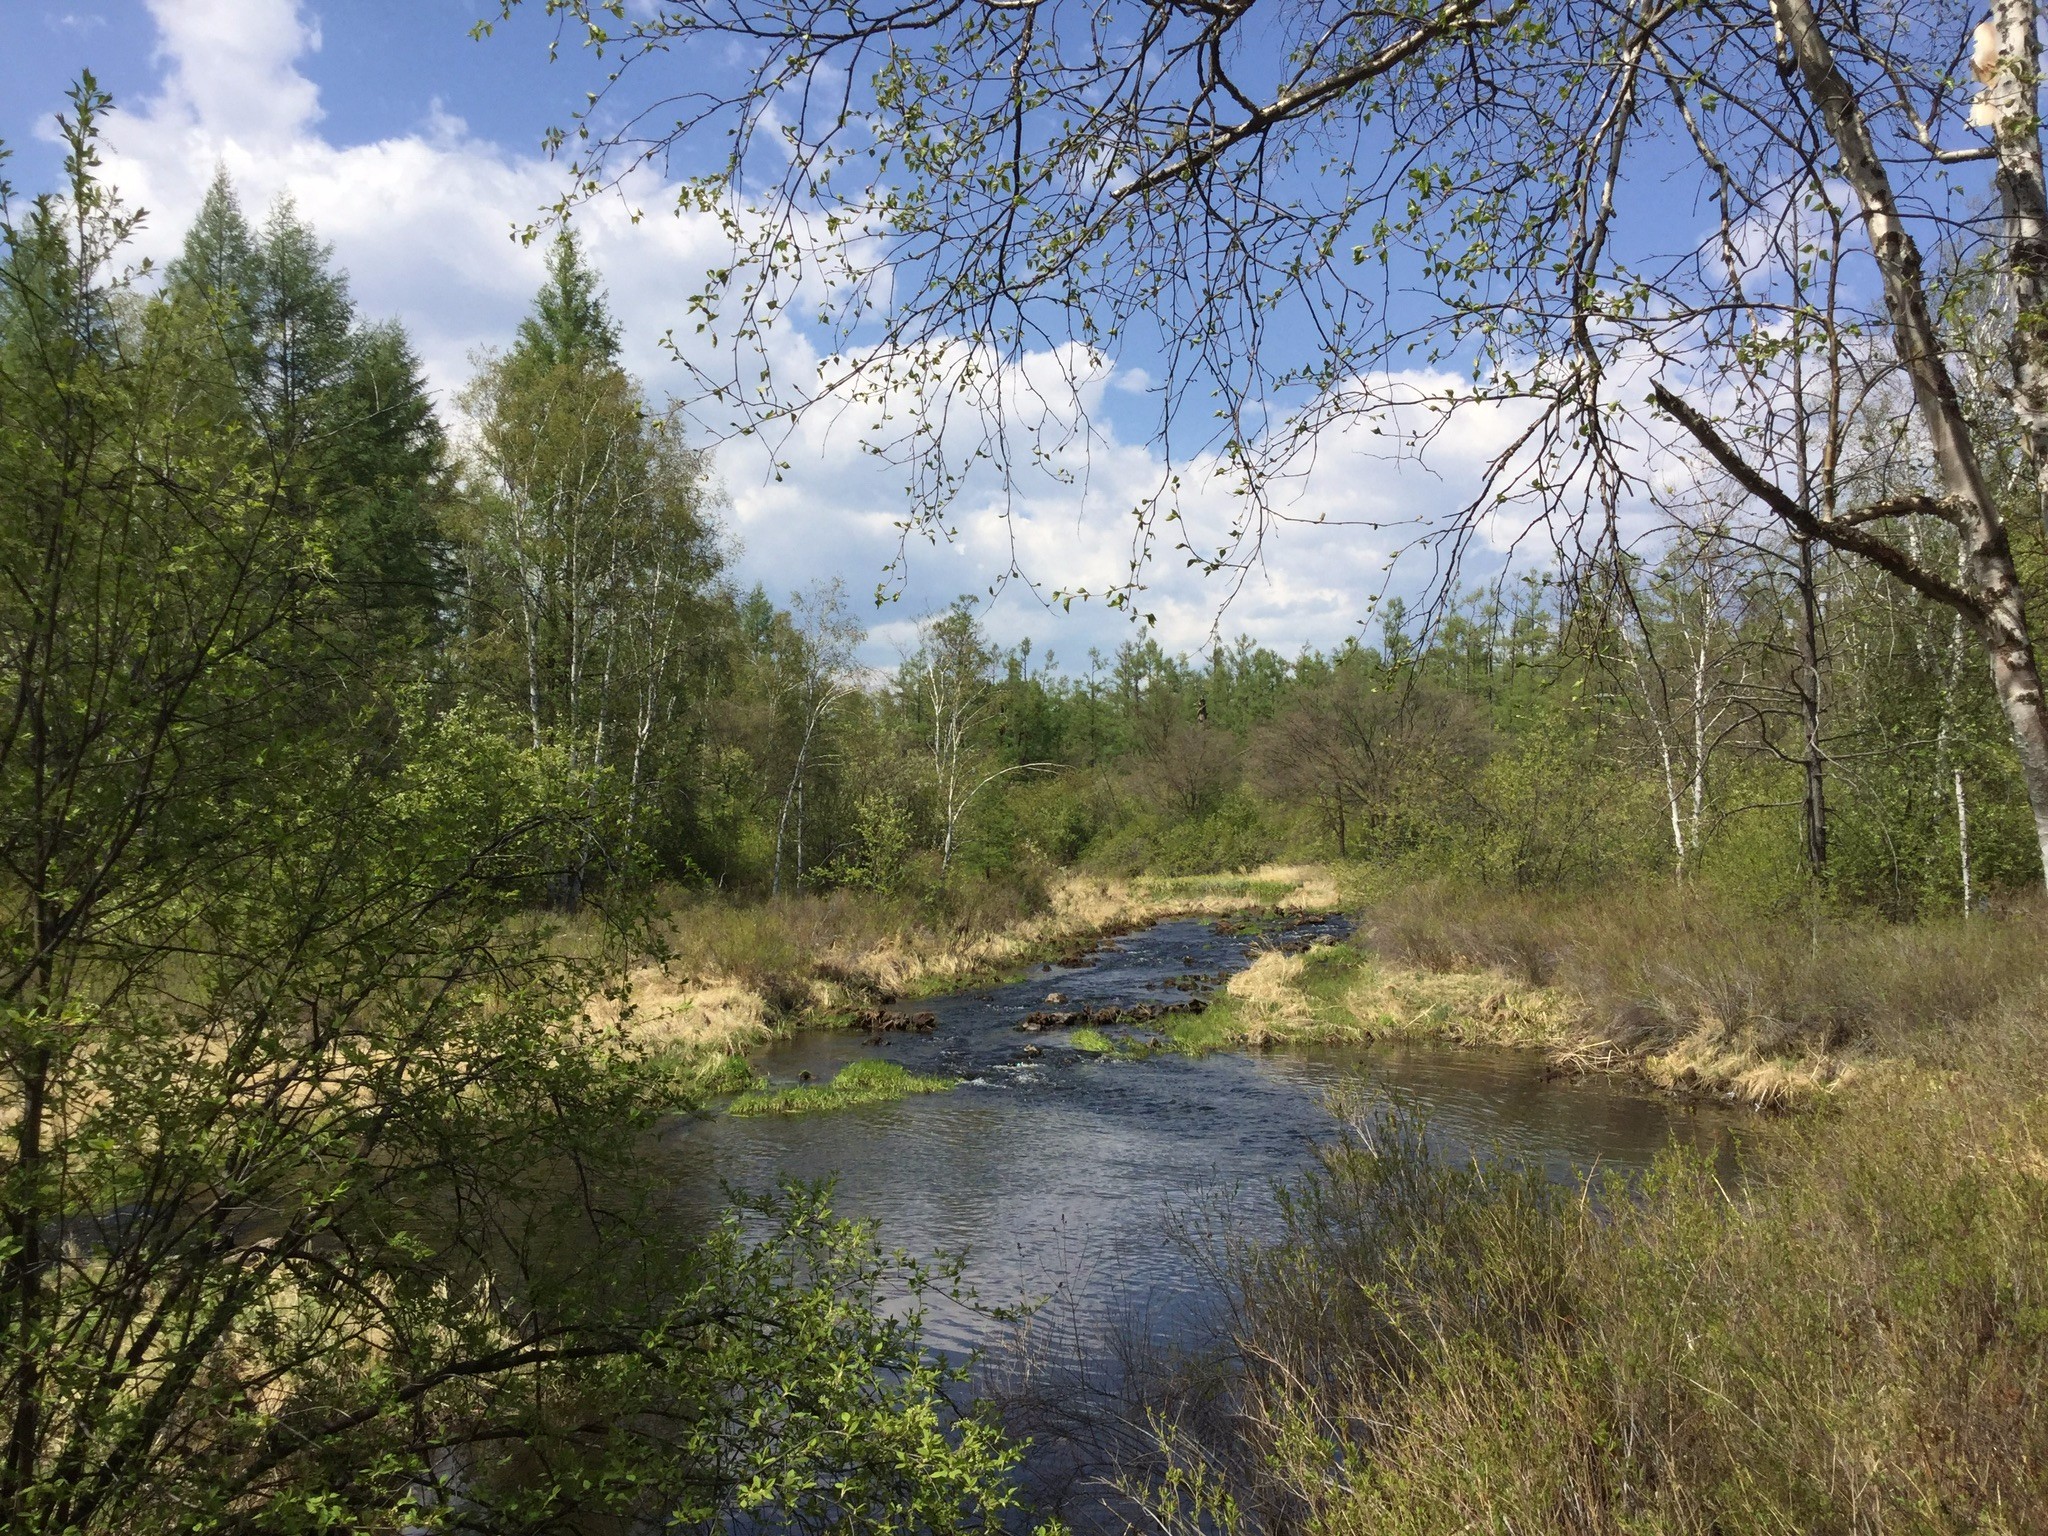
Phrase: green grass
[727,1074]
[862,1082]
[1240,887]
[1121,1047]
[1214,1029]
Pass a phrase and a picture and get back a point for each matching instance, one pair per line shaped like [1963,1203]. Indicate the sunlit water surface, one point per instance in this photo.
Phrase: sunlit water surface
[1074,1179]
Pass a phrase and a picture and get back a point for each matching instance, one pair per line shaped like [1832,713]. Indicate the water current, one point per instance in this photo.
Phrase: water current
[1066,1177]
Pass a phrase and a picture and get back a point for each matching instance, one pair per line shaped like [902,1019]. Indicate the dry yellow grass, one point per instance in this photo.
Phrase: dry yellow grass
[1711,1060]
[1482,1007]
[837,956]
[1339,993]
[717,1018]
[1271,1001]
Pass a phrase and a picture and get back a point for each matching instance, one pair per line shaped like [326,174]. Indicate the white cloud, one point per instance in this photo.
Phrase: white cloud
[422,220]
[231,69]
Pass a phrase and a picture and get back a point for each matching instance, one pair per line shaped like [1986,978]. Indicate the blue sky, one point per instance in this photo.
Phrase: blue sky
[414,149]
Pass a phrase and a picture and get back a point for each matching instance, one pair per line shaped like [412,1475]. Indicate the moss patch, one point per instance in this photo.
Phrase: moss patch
[862,1082]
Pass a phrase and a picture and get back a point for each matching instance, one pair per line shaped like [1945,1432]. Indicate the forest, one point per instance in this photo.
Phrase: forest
[548,568]
[377,768]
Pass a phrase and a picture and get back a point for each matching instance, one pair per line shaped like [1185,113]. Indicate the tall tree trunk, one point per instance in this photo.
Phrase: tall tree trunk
[2009,72]
[1814,806]
[1963,837]
[1991,579]
[795,790]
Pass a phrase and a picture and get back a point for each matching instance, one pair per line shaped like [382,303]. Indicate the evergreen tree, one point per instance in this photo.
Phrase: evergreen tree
[343,406]
[571,325]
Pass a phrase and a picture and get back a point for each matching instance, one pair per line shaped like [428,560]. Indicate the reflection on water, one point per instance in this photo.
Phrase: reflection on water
[1062,1175]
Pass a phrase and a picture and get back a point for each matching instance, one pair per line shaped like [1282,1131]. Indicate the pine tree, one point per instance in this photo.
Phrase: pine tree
[304,321]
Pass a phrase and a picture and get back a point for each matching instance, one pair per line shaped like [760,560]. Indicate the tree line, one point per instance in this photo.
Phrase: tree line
[1743,707]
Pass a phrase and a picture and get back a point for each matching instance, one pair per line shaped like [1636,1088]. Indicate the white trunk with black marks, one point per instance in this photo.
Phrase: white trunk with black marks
[794,794]
[1991,578]
[2009,73]
[1963,838]
[1815,809]
[1653,712]
[1699,733]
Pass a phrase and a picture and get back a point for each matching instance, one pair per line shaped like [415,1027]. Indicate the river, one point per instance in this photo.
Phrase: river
[1073,1181]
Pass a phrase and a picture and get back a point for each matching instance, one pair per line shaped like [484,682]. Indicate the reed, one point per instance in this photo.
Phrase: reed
[1849,1339]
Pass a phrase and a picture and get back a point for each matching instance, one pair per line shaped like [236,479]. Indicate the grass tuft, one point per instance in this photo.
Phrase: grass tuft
[727,1074]
[861,1082]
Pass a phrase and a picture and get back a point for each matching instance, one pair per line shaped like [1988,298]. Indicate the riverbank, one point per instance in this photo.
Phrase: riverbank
[1345,994]
[728,976]
[1691,996]
[1851,1340]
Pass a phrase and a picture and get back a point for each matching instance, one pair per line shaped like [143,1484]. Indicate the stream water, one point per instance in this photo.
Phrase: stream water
[1065,1177]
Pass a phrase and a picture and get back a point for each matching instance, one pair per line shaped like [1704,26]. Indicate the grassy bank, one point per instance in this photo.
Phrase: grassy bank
[726,975]
[1692,995]
[1853,1339]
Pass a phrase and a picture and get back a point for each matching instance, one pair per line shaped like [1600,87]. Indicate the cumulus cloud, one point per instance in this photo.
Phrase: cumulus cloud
[422,218]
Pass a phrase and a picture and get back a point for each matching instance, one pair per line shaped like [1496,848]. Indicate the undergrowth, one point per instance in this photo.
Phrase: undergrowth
[1854,1338]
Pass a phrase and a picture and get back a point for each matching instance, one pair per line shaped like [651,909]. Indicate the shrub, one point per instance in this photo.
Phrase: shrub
[1853,1339]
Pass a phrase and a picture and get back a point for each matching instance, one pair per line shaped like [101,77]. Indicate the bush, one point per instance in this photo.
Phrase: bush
[1240,834]
[1656,965]
[1854,1339]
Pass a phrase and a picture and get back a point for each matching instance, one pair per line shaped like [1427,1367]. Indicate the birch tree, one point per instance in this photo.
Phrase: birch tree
[589,542]
[1688,673]
[815,673]
[948,685]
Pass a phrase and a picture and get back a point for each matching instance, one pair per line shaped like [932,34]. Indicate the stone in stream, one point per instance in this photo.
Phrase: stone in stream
[1138,1013]
[880,1020]
[1043,1019]
[1054,999]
